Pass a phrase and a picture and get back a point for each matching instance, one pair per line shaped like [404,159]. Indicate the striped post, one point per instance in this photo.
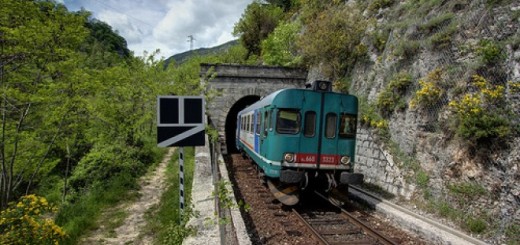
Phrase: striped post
[181,182]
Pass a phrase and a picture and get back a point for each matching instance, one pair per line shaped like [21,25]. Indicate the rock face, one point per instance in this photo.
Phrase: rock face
[479,179]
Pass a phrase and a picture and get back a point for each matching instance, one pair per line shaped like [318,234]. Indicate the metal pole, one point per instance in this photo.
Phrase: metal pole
[181,182]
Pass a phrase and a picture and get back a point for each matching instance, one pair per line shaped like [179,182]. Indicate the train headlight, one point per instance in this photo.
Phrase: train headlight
[288,157]
[345,160]
[323,85]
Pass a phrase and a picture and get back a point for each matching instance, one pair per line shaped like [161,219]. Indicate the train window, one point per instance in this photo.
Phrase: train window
[347,126]
[247,123]
[288,122]
[309,128]
[258,118]
[251,123]
[330,125]
[266,121]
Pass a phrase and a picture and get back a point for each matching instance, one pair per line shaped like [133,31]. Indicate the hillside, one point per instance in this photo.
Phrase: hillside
[182,57]
[439,89]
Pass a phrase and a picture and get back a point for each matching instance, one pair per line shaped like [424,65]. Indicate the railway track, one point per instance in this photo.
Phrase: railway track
[332,224]
[270,222]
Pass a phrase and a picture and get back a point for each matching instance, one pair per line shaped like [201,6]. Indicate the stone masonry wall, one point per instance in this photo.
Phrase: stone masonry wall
[378,166]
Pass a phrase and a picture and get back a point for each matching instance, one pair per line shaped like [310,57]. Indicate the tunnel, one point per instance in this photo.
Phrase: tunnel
[231,120]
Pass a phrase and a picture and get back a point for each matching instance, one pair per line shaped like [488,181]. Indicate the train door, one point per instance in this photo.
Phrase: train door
[309,137]
[329,138]
[265,131]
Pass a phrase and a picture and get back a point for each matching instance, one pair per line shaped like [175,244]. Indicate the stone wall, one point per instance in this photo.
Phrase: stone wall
[379,167]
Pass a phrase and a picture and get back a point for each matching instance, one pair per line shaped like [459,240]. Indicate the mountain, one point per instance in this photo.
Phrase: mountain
[182,57]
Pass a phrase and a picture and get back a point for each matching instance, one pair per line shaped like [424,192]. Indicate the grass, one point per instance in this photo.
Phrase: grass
[82,214]
[164,220]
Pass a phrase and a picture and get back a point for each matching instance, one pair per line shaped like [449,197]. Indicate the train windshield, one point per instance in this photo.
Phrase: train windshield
[288,121]
[347,126]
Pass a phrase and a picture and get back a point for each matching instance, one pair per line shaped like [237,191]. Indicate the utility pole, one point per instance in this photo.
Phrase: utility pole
[190,40]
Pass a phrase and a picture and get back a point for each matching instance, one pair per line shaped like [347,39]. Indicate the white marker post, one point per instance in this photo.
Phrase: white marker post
[181,183]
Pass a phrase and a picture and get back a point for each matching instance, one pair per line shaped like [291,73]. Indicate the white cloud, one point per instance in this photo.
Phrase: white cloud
[166,24]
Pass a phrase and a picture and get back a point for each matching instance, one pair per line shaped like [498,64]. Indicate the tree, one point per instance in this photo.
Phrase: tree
[256,23]
[38,41]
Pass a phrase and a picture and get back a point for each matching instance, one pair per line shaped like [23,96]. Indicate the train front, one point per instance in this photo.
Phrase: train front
[316,137]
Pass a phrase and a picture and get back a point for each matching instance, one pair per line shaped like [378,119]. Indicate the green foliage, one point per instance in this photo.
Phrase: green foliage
[436,23]
[513,233]
[256,23]
[104,162]
[333,39]
[379,4]
[110,41]
[443,38]
[469,191]
[476,225]
[379,39]
[391,97]
[407,49]
[482,115]
[430,91]
[27,222]
[280,47]
[370,118]
[163,220]
[490,52]
[422,179]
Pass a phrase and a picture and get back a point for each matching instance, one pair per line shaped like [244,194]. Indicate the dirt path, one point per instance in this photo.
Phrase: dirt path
[152,187]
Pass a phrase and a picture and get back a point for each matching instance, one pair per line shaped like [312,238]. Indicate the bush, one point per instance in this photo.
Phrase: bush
[430,91]
[407,49]
[481,115]
[28,222]
[490,52]
[106,161]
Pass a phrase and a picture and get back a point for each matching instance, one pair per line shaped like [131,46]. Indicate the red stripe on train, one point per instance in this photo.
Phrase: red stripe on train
[311,158]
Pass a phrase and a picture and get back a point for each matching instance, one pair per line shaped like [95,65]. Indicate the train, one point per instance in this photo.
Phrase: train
[301,139]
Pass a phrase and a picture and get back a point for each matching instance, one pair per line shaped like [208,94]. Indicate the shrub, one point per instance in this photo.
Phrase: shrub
[476,225]
[442,39]
[28,222]
[391,97]
[467,190]
[430,91]
[407,49]
[379,4]
[436,23]
[481,115]
[490,52]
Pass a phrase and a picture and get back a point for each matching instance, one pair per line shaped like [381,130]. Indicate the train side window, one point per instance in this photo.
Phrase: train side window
[288,122]
[347,126]
[251,123]
[309,128]
[247,123]
[330,125]
[267,120]
[257,124]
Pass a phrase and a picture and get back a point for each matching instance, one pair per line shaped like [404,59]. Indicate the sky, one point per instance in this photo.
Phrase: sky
[148,25]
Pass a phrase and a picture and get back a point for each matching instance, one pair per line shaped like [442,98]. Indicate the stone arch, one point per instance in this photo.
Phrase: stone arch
[237,85]
[231,122]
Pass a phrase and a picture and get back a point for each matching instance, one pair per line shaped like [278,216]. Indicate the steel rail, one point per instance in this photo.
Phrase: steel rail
[316,233]
[375,234]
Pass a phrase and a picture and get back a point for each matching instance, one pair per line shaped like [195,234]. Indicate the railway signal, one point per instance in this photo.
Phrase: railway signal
[180,122]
